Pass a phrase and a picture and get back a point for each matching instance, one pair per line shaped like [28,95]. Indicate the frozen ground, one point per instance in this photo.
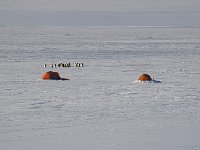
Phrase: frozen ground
[101,107]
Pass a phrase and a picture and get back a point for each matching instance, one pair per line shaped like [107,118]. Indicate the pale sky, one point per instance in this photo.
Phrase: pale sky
[100,5]
[17,11]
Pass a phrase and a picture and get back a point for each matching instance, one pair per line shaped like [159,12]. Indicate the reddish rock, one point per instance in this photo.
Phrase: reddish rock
[145,77]
[50,75]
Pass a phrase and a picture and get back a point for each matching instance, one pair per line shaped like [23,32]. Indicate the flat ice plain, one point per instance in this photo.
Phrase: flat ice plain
[101,107]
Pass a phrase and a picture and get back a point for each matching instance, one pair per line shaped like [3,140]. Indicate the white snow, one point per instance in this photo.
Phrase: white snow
[101,107]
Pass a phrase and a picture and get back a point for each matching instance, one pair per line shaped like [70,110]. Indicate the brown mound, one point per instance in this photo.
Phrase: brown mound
[50,75]
[145,77]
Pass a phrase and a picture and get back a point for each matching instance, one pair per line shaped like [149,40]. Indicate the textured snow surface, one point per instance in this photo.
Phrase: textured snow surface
[102,106]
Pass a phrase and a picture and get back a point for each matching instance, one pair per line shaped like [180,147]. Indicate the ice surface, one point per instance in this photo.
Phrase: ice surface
[101,107]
